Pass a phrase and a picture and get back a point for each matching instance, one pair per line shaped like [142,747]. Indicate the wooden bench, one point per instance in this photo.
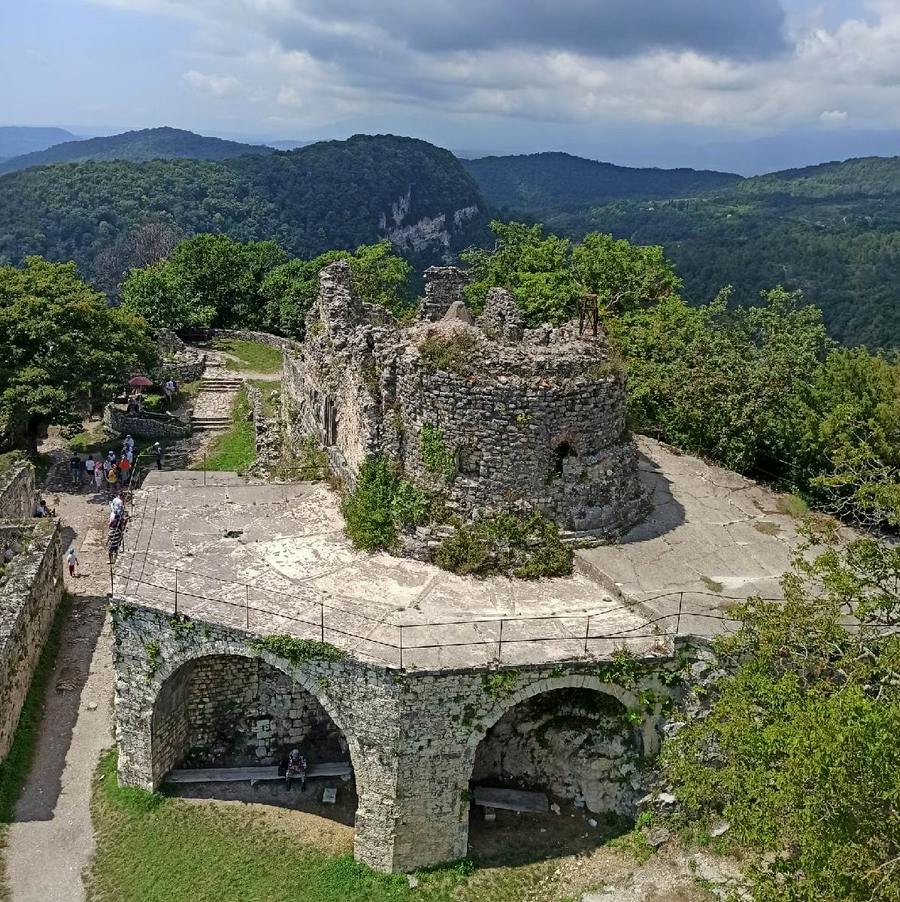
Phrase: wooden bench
[255,774]
[510,799]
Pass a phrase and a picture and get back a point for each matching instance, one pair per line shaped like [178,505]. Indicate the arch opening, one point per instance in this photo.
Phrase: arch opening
[228,711]
[576,746]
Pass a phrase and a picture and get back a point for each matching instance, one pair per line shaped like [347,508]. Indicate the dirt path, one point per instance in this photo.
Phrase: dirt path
[51,837]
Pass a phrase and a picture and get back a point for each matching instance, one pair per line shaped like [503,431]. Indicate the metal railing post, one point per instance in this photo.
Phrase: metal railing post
[678,618]
[587,633]
[176,591]
[247,606]
[500,644]
[322,619]
[401,646]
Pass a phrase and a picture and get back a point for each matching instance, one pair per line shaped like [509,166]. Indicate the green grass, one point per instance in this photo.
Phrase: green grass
[252,357]
[16,766]
[233,450]
[793,505]
[155,848]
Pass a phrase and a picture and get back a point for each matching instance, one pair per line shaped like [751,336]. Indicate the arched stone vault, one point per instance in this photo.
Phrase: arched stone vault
[412,736]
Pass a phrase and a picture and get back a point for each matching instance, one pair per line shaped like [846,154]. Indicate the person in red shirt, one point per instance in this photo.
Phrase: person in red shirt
[125,469]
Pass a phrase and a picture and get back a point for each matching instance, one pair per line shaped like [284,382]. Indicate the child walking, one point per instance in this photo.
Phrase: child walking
[72,561]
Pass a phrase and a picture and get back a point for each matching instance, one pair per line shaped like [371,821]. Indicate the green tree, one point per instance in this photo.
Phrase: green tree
[155,293]
[63,348]
[851,442]
[728,384]
[623,275]
[799,749]
[534,267]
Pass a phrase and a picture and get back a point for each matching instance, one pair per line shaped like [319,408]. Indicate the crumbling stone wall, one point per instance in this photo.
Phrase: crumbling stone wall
[31,587]
[528,419]
[242,711]
[412,737]
[576,744]
[17,492]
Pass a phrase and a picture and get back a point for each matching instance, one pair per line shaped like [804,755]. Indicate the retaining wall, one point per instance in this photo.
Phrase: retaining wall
[412,736]
[17,492]
[147,425]
[31,586]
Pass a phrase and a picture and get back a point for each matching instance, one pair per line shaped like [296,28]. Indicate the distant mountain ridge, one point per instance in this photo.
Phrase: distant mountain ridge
[21,139]
[333,194]
[136,146]
[553,180]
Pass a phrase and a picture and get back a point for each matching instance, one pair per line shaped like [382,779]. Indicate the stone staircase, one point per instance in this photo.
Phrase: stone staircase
[212,408]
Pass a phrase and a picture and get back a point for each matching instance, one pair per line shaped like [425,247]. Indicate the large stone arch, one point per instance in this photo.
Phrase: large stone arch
[649,720]
[173,664]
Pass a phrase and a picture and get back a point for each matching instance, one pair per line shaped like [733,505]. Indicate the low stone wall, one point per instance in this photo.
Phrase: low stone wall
[181,370]
[31,587]
[17,492]
[266,433]
[147,425]
[412,736]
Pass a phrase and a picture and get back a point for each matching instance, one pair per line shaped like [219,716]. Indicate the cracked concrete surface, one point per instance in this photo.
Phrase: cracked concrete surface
[713,535]
[274,558]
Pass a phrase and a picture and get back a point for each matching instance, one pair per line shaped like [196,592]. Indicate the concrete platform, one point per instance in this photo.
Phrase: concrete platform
[714,537]
[274,559]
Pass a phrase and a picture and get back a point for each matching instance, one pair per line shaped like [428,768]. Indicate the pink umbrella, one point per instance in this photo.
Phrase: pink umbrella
[140,382]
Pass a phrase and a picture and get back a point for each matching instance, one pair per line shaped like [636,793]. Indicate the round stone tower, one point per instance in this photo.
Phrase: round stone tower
[492,416]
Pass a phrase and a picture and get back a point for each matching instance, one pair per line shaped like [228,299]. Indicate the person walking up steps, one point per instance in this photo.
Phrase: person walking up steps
[158,453]
[72,562]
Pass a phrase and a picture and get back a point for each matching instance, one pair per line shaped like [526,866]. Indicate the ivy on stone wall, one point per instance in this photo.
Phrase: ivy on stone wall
[436,456]
[298,651]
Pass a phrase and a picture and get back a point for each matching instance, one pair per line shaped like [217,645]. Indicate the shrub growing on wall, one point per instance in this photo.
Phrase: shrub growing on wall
[382,503]
[526,547]
[799,749]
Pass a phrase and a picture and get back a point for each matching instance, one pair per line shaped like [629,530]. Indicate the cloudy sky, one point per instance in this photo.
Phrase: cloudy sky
[668,82]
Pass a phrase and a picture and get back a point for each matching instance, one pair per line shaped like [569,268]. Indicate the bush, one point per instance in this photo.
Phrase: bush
[799,749]
[455,352]
[382,503]
[524,547]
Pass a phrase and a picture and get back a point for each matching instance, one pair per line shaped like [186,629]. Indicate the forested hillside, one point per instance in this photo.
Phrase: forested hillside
[146,144]
[832,231]
[335,194]
[553,181]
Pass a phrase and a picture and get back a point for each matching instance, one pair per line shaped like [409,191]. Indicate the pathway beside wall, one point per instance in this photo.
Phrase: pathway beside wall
[51,841]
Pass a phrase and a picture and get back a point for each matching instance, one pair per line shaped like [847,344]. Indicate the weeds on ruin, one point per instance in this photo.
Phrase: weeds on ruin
[437,457]
[455,352]
[298,651]
[381,504]
[527,547]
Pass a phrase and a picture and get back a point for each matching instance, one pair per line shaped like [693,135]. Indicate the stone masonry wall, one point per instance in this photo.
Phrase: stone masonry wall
[146,426]
[528,419]
[412,736]
[31,586]
[17,492]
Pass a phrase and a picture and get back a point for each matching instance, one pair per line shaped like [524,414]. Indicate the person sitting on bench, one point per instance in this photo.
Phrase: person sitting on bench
[296,767]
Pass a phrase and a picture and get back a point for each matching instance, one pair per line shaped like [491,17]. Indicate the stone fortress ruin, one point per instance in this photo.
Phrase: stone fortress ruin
[245,622]
[490,415]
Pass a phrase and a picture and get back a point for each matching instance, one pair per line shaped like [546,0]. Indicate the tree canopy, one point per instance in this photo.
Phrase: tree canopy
[63,348]
[214,281]
[798,752]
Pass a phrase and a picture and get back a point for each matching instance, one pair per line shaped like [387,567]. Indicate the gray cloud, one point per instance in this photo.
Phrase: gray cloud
[749,29]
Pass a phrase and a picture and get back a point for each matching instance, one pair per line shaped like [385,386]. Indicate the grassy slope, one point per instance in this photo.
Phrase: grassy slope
[252,356]
[151,848]
[233,450]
